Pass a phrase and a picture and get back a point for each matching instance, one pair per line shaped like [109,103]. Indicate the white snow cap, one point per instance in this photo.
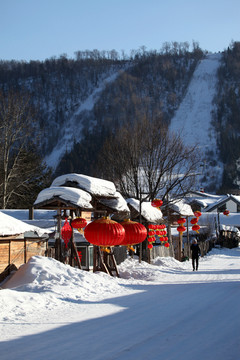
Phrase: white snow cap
[75,196]
[92,185]
[11,226]
[181,207]
[149,212]
[118,204]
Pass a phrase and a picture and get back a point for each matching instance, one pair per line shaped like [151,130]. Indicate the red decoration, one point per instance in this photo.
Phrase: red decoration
[156,203]
[104,232]
[166,244]
[66,232]
[135,233]
[196,228]
[79,223]
[226,212]
[194,221]
[197,214]
[150,246]
[181,221]
[181,229]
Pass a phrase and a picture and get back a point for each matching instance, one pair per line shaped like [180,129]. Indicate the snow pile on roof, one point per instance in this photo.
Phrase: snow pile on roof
[90,184]
[149,212]
[181,207]
[11,226]
[119,203]
[75,196]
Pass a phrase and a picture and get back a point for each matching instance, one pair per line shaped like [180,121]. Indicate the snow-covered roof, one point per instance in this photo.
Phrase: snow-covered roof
[11,226]
[94,186]
[181,208]
[119,203]
[149,212]
[75,196]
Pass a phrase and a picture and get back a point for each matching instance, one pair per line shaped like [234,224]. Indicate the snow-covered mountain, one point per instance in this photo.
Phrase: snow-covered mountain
[193,120]
[80,102]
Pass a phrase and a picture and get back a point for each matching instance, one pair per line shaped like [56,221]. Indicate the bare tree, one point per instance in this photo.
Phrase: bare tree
[146,158]
[20,165]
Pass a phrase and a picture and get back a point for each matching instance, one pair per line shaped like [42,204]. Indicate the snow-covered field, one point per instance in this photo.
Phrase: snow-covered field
[158,311]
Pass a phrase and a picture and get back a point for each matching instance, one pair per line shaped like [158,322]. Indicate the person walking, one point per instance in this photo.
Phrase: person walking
[195,249]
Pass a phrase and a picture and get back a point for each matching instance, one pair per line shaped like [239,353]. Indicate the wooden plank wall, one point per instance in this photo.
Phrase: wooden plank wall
[19,251]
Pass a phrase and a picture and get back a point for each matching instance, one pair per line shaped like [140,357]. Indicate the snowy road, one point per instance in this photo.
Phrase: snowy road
[162,311]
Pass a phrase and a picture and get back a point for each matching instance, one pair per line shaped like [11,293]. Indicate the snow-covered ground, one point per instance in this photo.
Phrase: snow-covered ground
[159,311]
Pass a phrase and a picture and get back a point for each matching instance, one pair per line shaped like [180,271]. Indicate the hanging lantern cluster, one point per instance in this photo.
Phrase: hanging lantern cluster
[157,203]
[226,212]
[181,228]
[194,221]
[106,233]
[66,232]
[135,233]
[79,223]
[160,231]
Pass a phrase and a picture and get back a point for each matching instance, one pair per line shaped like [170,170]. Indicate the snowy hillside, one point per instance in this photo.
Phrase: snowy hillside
[73,127]
[194,116]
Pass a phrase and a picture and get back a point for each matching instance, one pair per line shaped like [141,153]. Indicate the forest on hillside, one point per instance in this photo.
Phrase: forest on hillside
[150,85]
[227,117]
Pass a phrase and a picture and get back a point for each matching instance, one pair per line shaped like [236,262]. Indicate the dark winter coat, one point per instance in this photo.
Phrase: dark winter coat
[195,251]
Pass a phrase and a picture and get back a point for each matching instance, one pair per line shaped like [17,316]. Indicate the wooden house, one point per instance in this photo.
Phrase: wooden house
[18,242]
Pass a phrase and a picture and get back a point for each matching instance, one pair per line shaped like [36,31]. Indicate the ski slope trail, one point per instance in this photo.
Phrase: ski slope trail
[193,119]
[73,126]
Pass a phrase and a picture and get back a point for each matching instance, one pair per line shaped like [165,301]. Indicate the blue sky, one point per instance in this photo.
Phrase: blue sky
[40,29]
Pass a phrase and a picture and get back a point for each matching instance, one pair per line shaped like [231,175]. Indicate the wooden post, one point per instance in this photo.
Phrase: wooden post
[180,247]
[25,251]
[188,249]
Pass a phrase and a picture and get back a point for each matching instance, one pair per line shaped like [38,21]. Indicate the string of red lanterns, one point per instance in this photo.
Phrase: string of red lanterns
[160,231]
[194,221]
[181,228]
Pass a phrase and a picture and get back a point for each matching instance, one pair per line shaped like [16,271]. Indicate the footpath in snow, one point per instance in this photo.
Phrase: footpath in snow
[154,311]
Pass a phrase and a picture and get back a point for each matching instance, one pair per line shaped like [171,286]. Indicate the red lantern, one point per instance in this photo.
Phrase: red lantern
[135,233]
[196,228]
[79,223]
[156,203]
[66,232]
[197,213]
[104,232]
[181,221]
[181,229]
[150,246]
[226,212]
[194,221]
[166,244]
